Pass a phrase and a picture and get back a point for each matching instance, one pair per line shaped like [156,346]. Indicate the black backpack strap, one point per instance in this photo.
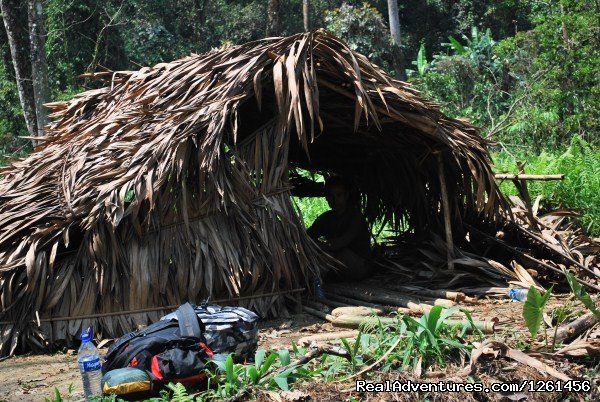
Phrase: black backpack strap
[188,321]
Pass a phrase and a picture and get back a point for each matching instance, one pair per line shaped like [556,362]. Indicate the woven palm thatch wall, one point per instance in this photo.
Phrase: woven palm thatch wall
[171,183]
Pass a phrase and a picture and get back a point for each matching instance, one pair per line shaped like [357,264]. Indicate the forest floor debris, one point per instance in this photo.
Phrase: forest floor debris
[33,378]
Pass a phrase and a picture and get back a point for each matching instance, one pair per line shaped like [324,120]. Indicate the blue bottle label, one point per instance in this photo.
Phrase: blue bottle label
[91,365]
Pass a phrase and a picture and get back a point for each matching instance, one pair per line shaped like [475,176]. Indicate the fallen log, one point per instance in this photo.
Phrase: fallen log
[573,329]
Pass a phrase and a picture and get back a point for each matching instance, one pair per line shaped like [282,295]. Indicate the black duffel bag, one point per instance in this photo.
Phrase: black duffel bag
[171,350]
[179,347]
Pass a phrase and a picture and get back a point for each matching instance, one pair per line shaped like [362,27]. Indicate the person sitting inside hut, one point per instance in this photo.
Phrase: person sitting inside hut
[343,232]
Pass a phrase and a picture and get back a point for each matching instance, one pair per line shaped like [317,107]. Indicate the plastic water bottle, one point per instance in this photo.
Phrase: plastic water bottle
[518,294]
[89,365]
[319,293]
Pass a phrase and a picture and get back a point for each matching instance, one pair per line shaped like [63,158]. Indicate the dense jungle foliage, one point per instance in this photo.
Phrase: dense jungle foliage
[526,71]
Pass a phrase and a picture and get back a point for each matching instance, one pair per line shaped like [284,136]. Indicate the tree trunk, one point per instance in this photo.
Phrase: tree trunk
[273,20]
[39,65]
[305,15]
[397,56]
[200,12]
[19,51]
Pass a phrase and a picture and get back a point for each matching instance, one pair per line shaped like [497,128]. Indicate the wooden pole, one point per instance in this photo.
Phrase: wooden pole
[521,186]
[541,177]
[446,208]
[329,336]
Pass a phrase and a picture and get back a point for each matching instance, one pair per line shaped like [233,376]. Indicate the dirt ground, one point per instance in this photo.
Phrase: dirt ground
[34,377]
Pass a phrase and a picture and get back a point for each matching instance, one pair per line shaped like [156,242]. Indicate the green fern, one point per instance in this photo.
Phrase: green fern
[180,393]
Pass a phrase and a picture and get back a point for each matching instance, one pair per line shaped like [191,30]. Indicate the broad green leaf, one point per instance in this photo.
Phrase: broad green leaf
[581,294]
[357,343]
[229,369]
[533,309]
[476,330]
[454,343]
[294,347]
[285,373]
[259,358]
[282,382]
[57,396]
[284,356]
[253,374]
[458,48]
[422,60]
[445,314]
[364,341]
[220,365]
[267,364]
[433,318]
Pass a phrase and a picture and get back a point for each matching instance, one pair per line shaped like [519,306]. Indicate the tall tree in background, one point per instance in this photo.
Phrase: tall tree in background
[200,21]
[305,15]
[397,55]
[273,18]
[39,65]
[19,50]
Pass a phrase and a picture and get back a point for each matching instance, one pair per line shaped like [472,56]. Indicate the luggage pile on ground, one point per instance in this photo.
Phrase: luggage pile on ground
[178,348]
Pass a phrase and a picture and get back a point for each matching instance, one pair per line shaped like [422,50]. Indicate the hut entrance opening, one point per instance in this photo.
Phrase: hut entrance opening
[393,166]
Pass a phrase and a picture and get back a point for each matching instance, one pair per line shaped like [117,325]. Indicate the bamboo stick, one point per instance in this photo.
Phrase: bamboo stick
[318,314]
[355,310]
[307,340]
[333,303]
[443,302]
[446,207]
[354,302]
[438,293]
[394,300]
[521,186]
[541,177]
[371,290]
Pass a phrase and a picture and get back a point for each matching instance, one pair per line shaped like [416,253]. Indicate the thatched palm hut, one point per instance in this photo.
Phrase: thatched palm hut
[171,183]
